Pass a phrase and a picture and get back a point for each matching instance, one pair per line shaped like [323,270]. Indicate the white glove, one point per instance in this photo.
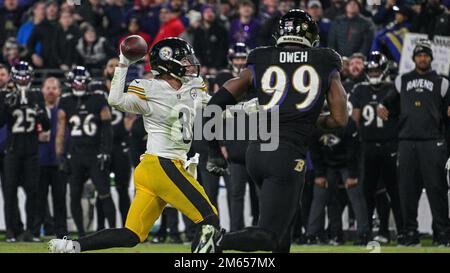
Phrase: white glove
[251,106]
[447,165]
[125,61]
[191,165]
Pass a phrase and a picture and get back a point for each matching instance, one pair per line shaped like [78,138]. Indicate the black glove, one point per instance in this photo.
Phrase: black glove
[216,164]
[63,164]
[103,161]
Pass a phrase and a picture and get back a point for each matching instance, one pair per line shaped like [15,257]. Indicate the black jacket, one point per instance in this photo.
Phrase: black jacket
[45,34]
[65,45]
[211,45]
[340,149]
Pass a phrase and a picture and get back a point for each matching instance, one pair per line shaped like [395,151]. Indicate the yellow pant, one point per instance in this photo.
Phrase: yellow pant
[161,181]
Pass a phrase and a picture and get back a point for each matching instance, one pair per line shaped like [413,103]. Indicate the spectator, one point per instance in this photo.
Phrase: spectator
[433,19]
[11,52]
[356,71]
[389,40]
[336,9]
[351,32]
[195,20]
[116,15]
[316,12]
[93,51]
[345,68]
[245,29]
[385,13]
[67,35]
[225,13]
[92,12]
[269,10]
[270,26]
[134,28]
[49,174]
[10,19]
[423,98]
[177,7]
[171,25]
[335,158]
[148,16]
[25,30]
[211,42]
[44,33]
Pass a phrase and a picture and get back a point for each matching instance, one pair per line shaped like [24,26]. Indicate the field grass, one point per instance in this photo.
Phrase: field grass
[178,248]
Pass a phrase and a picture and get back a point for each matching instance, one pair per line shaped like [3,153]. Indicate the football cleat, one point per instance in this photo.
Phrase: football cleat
[210,239]
[62,246]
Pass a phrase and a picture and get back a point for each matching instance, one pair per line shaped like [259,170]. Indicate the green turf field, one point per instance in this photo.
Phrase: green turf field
[172,248]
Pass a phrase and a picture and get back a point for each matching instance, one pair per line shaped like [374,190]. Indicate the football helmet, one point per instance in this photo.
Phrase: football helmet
[376,68]
[176,57]
[78,79]
[22,74]
[297,27]
[238,50]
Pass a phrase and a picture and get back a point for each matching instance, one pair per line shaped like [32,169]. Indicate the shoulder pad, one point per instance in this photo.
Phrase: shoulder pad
[253,56]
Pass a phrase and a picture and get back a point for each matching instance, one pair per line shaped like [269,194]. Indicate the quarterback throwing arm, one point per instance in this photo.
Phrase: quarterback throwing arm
[161,177]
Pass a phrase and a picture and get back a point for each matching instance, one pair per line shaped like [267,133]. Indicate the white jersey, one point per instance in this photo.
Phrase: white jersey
[163,109]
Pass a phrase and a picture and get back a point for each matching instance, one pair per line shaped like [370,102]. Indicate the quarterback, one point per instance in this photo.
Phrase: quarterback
[165,103]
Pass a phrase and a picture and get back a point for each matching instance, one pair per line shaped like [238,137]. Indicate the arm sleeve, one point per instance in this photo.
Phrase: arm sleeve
[317,155]
[106,137]
[133,101]
[353,149]
[42,115]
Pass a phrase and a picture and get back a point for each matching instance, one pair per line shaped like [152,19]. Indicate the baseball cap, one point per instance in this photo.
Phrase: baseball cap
[314,3]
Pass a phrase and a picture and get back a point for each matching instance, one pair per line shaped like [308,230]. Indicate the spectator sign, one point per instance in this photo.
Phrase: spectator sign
[441,53]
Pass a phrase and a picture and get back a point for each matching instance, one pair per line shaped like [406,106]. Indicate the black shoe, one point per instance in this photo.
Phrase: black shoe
[401,236]
[383,237]
[412,239]
[175,239]
[10,239]
[336,241]
[28,237]
[210,239]
[301,240]
[441,240]
[313,240]
[362,240]
[158,239]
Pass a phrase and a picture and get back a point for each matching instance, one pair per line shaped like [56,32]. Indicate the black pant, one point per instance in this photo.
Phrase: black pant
[169,222]
[380,164]
[121,167]
[83,167]
[238,181]
[50,176]
[280,180]
[20,168]
[211,183]
[422,164]
[323,196]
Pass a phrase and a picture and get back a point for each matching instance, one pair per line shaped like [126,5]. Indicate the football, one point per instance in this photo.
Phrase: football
[134,47]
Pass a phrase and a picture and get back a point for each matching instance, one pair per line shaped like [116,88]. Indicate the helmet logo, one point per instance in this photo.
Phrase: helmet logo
[304,26]
[165,53]
[193,93]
